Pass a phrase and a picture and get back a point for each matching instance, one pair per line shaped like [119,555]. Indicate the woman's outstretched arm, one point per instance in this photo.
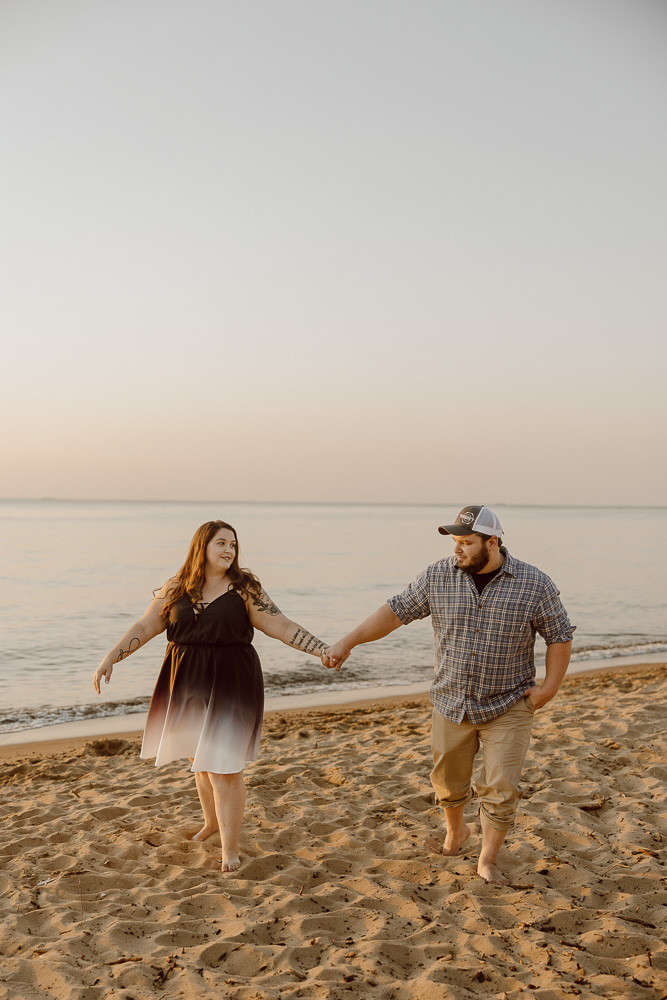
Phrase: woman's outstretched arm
[269,619]
[146,628]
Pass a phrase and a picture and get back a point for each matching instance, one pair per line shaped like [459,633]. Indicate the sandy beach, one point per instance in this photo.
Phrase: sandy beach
[338,895]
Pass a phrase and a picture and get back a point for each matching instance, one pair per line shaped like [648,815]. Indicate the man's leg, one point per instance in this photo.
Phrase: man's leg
[492,841]
[458,832]
[454,747]
[504,744]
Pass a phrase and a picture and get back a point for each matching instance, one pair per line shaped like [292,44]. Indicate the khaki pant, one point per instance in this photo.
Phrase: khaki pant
[504,742]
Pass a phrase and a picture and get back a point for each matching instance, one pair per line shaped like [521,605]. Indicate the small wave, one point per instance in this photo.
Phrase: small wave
[16,721]
[13,720]
[349,686]
[614,652]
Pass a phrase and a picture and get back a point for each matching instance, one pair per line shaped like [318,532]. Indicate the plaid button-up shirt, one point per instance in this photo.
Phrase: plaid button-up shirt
[484,643]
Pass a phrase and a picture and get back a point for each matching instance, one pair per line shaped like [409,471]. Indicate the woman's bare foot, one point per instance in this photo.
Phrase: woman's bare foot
[201,835]
[231,863]
[491,873]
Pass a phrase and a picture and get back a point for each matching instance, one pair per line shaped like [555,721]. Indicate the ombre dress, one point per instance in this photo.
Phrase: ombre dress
[209,697]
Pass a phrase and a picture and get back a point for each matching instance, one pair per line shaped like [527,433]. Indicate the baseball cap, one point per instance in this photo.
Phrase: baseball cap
[474,517]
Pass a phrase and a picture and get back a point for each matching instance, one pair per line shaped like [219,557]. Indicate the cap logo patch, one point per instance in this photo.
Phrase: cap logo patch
[468,517]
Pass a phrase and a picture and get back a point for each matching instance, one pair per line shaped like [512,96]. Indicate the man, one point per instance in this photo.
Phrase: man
[486,608]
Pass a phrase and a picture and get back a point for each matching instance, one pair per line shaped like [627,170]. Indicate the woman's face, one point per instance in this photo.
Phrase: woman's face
[220,551]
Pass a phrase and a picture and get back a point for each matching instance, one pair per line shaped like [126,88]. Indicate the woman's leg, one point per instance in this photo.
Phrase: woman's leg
[206,798]
[229,797]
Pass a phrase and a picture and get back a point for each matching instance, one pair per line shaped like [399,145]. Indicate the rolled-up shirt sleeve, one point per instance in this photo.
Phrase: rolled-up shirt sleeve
[551,620]
[413,603]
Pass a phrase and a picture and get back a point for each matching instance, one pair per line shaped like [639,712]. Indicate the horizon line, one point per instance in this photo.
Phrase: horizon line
[334,503]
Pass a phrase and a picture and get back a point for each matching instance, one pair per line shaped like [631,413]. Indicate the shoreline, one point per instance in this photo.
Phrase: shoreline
[63,737]
[130,722]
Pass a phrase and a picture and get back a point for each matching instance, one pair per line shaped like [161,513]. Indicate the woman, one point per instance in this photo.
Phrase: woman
[209,697]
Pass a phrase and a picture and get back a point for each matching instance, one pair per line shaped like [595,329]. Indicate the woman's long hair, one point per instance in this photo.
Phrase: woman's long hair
[189,580]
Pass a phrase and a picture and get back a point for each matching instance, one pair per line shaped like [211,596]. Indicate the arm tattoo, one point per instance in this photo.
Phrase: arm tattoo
[305,641]
[126,652]
[266,605]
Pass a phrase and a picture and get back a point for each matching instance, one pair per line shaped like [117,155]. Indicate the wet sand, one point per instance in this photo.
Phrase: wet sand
[338,896]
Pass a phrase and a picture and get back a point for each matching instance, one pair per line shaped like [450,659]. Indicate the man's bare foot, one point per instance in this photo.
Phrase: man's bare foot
[201,835]
[231,863]
[452,845]
[455,840]
[491,873]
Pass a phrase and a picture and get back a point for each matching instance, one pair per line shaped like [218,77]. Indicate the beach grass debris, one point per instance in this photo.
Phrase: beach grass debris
[592,806]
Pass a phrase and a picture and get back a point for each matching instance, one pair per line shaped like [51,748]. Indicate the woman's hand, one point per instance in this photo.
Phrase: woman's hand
[104,670]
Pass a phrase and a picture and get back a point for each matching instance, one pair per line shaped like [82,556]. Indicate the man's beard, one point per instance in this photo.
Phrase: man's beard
[478,562]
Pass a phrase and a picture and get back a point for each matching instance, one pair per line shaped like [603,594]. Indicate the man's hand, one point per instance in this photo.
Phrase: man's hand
[336,655]
[539,695]
[557,659]
[324,656]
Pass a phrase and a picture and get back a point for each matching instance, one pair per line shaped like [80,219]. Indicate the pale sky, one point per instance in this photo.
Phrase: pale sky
[356,250]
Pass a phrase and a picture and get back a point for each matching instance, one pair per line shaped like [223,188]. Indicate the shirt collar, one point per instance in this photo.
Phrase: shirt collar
[509,566]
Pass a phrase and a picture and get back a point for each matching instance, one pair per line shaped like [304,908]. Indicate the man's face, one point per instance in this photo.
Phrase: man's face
[472,553]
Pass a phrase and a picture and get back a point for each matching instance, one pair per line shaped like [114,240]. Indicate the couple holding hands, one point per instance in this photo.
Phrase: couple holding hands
[486,608]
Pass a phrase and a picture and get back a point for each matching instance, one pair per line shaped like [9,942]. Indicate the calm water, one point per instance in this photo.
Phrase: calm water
[76,575]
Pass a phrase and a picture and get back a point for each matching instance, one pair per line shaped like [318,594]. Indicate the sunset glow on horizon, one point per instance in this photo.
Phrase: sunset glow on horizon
[386,251]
